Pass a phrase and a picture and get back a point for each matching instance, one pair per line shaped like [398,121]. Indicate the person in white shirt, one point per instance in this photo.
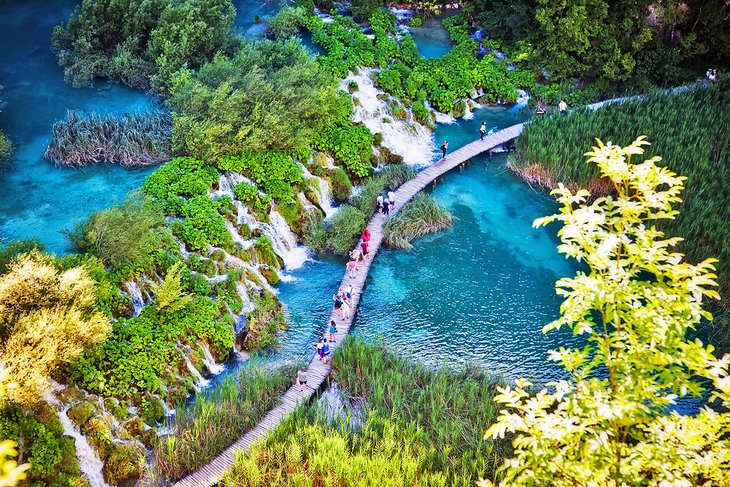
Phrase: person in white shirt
[562,106]
[391,199]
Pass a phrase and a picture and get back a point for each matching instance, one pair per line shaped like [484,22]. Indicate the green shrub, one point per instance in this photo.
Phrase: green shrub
[265,322]
[249,195]
[341,185]
[6,148]
[345,228]
[286,23]
[365,201]
[421,216]
[393,176]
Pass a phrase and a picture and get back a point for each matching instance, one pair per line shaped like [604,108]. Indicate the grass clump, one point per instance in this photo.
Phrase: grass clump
[691,129]
[132,139]
[218,418]
[424,427]
[421,216]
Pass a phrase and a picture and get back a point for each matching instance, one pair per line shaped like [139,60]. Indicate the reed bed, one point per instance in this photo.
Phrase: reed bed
[421,216]
[219,418]
[424,427]
[690,130]
[131,139]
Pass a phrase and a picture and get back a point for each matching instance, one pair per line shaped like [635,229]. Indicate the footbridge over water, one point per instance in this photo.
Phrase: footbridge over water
[317,372]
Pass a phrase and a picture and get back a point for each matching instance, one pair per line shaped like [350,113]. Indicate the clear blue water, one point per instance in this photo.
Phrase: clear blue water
[38,200]
[479,292]
[432,40]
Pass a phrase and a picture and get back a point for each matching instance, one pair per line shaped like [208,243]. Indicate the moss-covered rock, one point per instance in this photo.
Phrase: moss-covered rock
[115,408]
[459,109]
[70,394]
[341,184]
[69,463]
[218,255]
[81,412]
[269,274]
[125,462]
[149,438]
[151,410]
[47,415]
[134,427]
[244,231]
[98,432]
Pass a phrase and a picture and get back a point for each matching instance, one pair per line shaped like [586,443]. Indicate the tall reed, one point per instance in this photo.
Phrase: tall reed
[421,216]
[131,139]
[218,418]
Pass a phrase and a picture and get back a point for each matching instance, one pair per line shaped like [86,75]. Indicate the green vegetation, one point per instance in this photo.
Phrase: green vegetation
[52,457]
[421,216]
[642,42]
[138,139]
[691,129]
[636,301]
[47,318]
[423,427]
[219,418]
[6,147]
[142,43]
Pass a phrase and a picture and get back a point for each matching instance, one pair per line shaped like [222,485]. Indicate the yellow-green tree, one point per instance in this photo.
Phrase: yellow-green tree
[611,423]
[47,318]
[10,472]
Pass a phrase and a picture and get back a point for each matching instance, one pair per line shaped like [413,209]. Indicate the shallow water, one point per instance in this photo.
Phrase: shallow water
[38,200]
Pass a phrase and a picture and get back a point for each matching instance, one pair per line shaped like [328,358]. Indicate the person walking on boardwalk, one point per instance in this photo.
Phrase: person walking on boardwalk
[302,378]
[364,247]
[386,207]
[320,346]
[391,199]
[346,310]
[337,298]
[444,146]
[365,235]
[482,131]
[379,202]
[325,351]
[562,106]
[333,331]
[351,267]
[348,295]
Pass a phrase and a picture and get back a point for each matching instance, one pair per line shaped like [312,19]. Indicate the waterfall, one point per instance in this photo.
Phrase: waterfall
[282,239]
[244,244]
[226,182]
[406,138]
[89,462]
[209,361]
[248,305]
[136,294]
[322,190]
[444,118]
[200,381]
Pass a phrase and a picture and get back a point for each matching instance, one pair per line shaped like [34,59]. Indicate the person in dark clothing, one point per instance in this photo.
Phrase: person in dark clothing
[482,131]
[444,146]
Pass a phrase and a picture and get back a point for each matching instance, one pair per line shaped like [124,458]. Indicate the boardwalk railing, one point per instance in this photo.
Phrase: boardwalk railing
[317,372]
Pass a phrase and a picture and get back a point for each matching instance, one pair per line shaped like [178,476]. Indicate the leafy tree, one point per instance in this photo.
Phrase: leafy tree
[47,318]
[591,37]
[611,424]
[268,95]
[122,235]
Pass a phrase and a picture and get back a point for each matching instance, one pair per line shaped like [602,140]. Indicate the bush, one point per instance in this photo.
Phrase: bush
[6,148]
[341,185]
[345,228]
[394,176]
[365,201]
[286,23]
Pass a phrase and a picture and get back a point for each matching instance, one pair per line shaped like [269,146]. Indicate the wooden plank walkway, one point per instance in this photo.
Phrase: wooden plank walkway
[317,372]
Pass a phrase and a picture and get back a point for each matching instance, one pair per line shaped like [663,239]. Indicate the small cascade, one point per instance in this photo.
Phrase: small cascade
[200,381]
[89,462]
[136,294]
[226,182]
[468,113]
[307,205]
[239,240]
[444,118]
[282,239]
[323,192]
[522,99]
[209,361]
[406,138]
[247,304]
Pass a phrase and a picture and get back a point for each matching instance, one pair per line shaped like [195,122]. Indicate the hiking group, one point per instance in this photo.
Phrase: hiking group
[385,203]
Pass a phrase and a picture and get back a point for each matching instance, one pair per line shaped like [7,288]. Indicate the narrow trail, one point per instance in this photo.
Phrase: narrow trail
[317,372]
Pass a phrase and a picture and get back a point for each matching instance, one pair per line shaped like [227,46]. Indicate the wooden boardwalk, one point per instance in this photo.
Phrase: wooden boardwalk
[317,372]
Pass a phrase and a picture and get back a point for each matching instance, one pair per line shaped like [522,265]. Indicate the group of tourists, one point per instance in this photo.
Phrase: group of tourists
[711,74]
[384,203]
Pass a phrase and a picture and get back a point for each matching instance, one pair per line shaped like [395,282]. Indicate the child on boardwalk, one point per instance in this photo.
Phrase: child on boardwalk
[302,378]
[333,331]
[482,131]
[386,207]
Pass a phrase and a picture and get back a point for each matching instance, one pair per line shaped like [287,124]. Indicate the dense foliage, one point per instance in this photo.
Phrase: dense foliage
[689,128]
[614,40]
[421,216]
[268,95]
[6,147]
[421,427]
[219,418]
[141,42]
[47,318]
[137,139]
[611,423]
